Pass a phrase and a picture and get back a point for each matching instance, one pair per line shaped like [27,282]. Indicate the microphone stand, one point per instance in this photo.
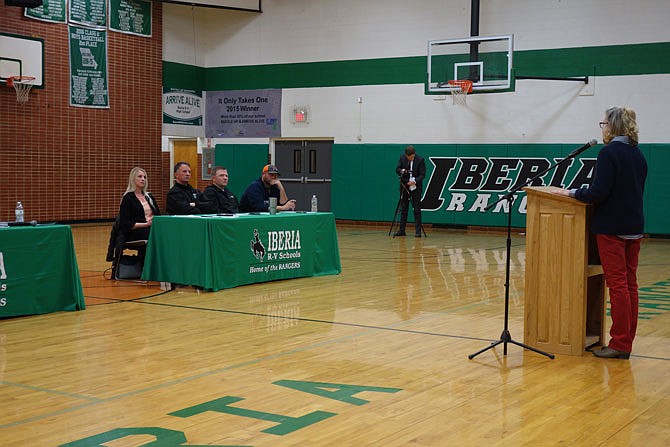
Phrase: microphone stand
[506,337]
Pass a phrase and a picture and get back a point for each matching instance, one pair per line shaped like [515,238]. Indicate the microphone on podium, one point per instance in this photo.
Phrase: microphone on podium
[579,150]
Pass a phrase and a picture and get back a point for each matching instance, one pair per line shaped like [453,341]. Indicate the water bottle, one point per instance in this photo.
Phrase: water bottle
[315,203]
[19,212]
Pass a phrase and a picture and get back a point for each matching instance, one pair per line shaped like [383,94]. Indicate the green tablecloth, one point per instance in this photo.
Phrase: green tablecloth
[218,252]
[38,271]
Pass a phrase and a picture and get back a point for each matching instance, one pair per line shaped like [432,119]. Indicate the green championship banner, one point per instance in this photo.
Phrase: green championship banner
[217,252]
[38,271]
[50,11]
[130,17]
[92,13]
[88,68]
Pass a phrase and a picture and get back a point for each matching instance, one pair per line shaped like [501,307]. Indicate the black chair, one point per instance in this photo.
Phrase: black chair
[129,266]
[125,266]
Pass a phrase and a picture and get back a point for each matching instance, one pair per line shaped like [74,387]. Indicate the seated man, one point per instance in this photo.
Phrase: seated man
[182,197]
[257,195]
[218,193]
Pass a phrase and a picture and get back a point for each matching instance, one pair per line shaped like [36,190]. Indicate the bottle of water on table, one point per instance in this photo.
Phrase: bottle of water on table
[19,212]
[315,204]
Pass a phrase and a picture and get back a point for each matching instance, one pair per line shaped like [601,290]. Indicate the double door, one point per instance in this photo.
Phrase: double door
[305,167]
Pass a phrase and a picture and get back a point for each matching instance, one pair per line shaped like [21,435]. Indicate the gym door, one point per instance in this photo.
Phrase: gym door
[305,167]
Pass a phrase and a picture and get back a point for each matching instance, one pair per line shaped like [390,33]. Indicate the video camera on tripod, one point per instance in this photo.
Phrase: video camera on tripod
[405,177]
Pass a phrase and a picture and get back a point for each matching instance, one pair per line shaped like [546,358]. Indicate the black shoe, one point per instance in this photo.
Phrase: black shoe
[417,235]
[399,233]
[609,353]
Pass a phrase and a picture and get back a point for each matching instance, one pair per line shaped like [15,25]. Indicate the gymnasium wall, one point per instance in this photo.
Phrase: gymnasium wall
[71,163]
[360,66]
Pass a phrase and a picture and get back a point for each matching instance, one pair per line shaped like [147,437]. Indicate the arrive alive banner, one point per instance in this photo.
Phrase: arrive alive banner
[182,106]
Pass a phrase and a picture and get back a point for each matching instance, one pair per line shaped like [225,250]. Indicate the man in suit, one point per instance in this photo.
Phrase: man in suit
[411,170]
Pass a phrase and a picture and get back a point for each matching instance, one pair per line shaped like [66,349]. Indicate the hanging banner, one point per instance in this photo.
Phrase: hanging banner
[50,11]
[91,13]
[182,106]
[130,17]
[243,113]
[88,68]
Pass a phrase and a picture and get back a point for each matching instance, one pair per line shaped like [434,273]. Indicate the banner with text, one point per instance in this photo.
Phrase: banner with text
[130,17]
[88,68]
[243,113]
[91,13]
[50,11]
[182,106]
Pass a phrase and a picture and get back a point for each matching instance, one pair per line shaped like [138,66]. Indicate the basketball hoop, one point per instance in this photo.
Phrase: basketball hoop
[460,90]
[22,85]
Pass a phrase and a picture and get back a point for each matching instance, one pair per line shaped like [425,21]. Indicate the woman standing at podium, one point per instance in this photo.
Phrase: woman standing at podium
[618,222]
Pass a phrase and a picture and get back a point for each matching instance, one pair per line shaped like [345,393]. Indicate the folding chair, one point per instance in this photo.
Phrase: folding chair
[129,266]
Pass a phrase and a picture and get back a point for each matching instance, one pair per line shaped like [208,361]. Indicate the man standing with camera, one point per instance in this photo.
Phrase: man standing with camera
[411,170]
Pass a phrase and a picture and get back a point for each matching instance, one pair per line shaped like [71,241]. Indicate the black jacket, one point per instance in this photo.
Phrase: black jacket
[418,169]
[617,190]
[131,211]
[180,196]
[224,200]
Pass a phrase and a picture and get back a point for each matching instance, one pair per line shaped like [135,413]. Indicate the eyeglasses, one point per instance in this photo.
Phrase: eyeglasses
[602,124]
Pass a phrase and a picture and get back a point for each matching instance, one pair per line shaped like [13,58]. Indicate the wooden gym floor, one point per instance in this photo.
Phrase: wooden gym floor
[376,356]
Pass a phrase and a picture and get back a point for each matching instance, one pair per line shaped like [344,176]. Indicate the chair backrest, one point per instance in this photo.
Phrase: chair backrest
[129,266]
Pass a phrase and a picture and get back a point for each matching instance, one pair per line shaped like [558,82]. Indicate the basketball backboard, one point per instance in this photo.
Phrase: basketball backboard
[484,60]
[21,56]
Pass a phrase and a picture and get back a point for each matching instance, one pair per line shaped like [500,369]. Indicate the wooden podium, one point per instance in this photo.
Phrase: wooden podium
[564,291]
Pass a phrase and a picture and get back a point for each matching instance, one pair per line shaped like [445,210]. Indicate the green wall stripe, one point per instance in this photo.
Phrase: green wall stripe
[408,70]
[613,60]
[184,76]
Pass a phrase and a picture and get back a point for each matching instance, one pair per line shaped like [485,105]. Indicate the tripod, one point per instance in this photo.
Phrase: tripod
[404,193]
[505,337]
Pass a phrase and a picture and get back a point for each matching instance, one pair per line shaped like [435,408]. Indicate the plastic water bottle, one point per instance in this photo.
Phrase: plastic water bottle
[19,212]
[315,204]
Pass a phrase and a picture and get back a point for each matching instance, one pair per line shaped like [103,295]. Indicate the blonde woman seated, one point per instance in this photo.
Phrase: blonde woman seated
[138,208]
[136,213]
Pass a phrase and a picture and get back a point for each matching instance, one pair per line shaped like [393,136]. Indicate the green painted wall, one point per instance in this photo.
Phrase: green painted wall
[650,58]
[375,196]
[244,163]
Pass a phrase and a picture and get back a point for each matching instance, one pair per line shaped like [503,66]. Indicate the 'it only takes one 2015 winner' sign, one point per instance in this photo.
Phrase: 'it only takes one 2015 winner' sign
[243,113]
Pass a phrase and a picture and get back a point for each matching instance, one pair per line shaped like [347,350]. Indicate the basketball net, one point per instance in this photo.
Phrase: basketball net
[22,85]
[460,90]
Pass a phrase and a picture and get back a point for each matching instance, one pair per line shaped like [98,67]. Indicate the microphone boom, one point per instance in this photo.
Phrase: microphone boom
[579,150]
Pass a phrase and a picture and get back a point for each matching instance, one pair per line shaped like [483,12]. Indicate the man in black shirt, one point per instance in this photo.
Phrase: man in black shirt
[182,197]
[218,194]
